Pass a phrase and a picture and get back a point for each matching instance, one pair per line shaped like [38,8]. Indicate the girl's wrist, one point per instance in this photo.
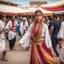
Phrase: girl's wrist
[51,49]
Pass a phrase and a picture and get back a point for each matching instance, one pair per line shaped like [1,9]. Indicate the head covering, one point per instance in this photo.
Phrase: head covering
[20,17]
[24,18]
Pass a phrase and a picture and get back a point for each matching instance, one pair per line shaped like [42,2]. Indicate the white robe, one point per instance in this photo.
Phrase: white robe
[2,38]
[23,27]
[11,35]
[61,35]
[25,40]
[9,24]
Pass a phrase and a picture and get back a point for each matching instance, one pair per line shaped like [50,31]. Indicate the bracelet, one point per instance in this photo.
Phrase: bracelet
[52,51]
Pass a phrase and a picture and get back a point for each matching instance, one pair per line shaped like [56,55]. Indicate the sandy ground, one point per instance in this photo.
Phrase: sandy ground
[18,56]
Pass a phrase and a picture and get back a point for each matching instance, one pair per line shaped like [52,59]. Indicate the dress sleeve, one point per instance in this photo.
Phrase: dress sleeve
[27,36]
[47,37]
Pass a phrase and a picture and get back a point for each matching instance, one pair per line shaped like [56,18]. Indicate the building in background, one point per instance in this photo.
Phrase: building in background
[37,3]
[8,3]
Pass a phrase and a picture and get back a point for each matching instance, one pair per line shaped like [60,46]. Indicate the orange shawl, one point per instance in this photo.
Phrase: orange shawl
[37,33]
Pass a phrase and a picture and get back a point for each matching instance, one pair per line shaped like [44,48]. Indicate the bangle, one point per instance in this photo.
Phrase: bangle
[52,51]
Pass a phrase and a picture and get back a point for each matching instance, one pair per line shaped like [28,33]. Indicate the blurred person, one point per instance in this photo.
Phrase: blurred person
[18,28]
[23,26]
[50,22]
[55,27]
[2,38]
[30,21]
[12,23]
[12,38]
[12,29]
[8,18]
[60,36]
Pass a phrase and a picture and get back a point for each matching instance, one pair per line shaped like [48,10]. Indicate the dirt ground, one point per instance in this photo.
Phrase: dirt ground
[18,56]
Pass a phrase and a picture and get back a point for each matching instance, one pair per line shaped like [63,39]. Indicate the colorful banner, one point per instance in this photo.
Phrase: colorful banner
[56,8]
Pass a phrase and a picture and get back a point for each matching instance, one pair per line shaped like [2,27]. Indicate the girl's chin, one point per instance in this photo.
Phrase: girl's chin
[38,21]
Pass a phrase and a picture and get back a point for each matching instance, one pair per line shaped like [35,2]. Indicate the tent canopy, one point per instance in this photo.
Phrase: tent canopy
[59,3]
[57,6]
[12,9]
[44,11]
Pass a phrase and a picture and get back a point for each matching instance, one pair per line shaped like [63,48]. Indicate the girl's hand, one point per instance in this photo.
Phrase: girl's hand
[53,54]
[52,51]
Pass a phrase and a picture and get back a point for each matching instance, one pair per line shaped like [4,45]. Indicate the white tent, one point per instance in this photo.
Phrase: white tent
[44,11]
[59,12]
[11,9]
[57,7]
[53,4]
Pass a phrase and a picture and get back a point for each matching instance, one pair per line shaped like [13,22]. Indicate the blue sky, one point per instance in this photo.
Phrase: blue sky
[25,3]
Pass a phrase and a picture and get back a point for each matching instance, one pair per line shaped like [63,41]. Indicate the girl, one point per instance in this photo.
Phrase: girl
[42,51]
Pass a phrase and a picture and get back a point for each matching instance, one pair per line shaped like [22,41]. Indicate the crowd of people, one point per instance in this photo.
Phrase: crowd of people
[42,34]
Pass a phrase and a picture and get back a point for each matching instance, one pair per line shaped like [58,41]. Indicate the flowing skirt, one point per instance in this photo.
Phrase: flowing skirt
[40,54]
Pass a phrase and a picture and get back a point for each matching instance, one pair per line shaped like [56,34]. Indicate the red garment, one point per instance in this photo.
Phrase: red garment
[33,61]
[40,54]
[13,26]
[12,23]
[4,53]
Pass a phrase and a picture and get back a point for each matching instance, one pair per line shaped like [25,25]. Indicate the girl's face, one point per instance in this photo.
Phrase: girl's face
[38,17]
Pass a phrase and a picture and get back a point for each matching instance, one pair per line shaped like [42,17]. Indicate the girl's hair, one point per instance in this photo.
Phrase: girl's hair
[37,12]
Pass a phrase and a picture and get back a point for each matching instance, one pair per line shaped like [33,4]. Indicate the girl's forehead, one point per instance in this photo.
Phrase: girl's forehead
[38,13]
